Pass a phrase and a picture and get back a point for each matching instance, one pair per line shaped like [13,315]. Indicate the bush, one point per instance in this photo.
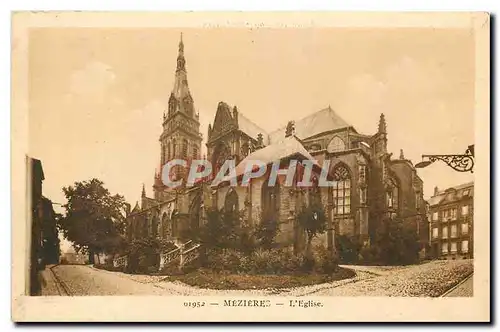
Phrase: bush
[397,243]
[144,254]
[326,261]
[271,261]
[219,260]
[348,248]
[267,261]
[369,254]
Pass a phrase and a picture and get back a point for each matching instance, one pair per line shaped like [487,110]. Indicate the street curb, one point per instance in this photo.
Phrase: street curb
[457,285]
[59,281]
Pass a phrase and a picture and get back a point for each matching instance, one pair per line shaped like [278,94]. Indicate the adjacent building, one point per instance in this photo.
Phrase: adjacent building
[369,184]
[44,244]
[451,218]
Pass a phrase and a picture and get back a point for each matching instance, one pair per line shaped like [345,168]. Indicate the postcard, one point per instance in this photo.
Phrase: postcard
[250,167]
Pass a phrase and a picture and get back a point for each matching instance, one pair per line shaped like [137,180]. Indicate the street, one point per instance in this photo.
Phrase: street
[429,279]
[86,280]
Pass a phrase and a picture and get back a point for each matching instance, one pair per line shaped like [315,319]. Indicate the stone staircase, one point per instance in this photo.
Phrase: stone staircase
[180,256]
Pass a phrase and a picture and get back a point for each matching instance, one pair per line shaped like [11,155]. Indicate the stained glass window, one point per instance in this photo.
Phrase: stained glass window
[341,190]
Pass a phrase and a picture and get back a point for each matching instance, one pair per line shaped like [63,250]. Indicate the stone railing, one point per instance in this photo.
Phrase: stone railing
[190,254]
[168,257]
[180,256]
[186,253]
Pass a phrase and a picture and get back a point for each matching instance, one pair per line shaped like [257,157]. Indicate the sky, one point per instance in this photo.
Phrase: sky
[97,95]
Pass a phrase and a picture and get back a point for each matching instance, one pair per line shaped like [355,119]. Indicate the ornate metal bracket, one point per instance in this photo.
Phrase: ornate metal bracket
[459,162]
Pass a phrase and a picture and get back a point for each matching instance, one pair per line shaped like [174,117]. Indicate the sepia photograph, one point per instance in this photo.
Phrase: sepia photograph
[228,163]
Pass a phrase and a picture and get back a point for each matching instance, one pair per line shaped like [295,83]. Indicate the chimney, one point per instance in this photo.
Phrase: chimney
[436,190]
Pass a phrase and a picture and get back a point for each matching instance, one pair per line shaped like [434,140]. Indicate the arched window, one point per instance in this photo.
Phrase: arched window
[392,194]
[195,152]
[184,148]
[231,201]
[174,149]
[336,144]
[270,200]
[341,190]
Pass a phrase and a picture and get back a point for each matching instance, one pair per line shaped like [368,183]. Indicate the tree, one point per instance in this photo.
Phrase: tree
[312,219]
[397,243]
[267,230]
[94,219]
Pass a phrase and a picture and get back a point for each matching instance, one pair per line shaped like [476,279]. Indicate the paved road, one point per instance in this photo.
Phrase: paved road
[429,279]
[464,290]
[85,280]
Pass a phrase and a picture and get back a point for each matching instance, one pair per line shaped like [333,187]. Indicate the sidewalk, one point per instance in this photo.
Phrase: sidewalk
[48,283]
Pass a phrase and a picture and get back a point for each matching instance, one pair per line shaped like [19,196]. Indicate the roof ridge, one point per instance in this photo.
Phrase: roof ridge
[457,187]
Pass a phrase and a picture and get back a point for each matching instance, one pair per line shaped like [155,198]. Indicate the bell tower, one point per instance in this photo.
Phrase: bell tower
[181,137]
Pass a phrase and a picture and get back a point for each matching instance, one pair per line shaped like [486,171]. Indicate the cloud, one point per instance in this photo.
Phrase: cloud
[93,80]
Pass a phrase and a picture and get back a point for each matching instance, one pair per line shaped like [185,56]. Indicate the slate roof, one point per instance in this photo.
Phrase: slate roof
[287,147]
[314,124]
[250,128]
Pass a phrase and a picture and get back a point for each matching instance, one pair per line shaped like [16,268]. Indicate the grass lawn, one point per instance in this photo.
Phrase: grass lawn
[208,279]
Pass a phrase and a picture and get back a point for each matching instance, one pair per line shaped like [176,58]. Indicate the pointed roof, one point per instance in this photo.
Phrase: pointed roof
[136,208]
[180,98]
[319,122]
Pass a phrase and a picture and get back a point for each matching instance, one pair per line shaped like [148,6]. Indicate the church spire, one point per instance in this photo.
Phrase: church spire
[181,62]
[143,191]
[180,98]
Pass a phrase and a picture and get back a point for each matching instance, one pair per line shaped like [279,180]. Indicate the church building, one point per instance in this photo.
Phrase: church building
[367,180]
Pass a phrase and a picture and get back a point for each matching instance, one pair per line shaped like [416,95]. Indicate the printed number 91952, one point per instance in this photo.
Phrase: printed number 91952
[194,304]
